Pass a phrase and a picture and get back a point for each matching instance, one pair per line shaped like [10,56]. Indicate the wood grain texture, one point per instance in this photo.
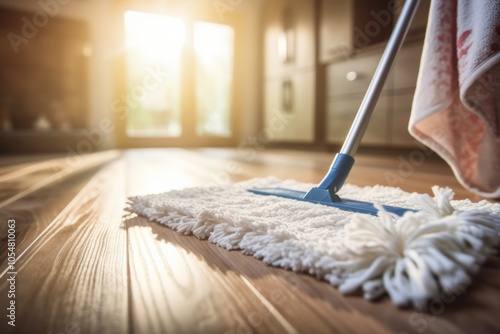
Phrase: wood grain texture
[173,289]
[34,212]
[73,277]
[36,193]
[88,270]
[24,180]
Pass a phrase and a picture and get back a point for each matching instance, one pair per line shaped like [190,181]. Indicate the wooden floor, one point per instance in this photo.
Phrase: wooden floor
[83,266]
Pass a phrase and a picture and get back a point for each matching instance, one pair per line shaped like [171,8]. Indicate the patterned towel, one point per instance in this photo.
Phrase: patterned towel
[456,109]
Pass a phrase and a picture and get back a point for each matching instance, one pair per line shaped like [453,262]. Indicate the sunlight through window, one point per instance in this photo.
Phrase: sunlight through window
[213,44]
[154,48]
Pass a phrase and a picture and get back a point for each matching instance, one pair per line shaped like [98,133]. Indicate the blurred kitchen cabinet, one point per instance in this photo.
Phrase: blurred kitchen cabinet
[348,26]
[352,76]
[43,81]
[289,36]
[419,23]
[341,116]
[289,107]
[405,71]
[347,82]
[405,75]
[401,109]
[352,37]
[290,69]
[335,32]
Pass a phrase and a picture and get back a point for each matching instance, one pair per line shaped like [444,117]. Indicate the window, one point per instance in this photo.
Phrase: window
[154,44]
[179,77]
[213,44]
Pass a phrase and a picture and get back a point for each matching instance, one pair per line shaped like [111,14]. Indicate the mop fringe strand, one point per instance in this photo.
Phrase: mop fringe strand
[413,258]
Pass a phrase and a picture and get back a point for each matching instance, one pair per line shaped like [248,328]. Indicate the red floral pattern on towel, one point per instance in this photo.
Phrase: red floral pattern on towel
[456,110]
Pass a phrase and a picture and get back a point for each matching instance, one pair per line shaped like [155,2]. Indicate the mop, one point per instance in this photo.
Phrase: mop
[326,191]
[414,248]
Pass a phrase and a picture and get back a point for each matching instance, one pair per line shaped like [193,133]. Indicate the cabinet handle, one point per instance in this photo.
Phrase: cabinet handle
[286,46]
[351,75]
[287,96]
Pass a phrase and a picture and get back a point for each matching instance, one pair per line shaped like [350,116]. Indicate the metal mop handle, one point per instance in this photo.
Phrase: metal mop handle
[372,95]
[343,162]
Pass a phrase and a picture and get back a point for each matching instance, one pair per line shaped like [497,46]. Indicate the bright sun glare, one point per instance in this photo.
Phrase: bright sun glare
[155,36]
[157,41]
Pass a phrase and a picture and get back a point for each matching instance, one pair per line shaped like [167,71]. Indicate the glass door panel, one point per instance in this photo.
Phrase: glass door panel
[178,80]
[153,77]
[214,57]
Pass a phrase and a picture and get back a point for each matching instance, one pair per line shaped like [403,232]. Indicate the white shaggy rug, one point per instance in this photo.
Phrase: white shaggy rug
[411,258]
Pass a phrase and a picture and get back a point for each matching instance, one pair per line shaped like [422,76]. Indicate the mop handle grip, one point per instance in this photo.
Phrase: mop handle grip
[372,95]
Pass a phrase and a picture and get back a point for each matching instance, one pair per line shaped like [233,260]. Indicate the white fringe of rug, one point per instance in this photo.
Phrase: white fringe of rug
[413,258]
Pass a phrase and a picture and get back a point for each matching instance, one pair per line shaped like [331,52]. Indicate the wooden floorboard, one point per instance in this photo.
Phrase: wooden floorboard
[173,289]
[73,277]
[34,212]
[22,181]
[85,267]
[35,194]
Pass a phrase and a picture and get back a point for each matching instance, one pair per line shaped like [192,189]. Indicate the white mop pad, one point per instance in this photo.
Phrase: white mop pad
[413,258]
